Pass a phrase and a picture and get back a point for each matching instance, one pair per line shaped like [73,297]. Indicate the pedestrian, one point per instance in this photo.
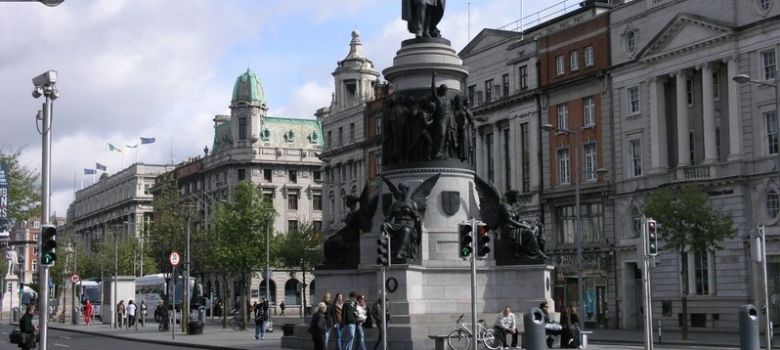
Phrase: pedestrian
[506,323]
[130,309]
[88,310]
[28,329]
[551,328]
[281,307]
[143,313]
[318,327]
[362,316]
[328,315]
[337,315]
[261,317]
[120,314]
[570,334]
[376,314]
[349,314]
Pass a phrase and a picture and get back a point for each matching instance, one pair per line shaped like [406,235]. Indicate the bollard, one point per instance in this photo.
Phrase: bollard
[202,314]
[748,328]
[15,314]
[534,330]
[75,316]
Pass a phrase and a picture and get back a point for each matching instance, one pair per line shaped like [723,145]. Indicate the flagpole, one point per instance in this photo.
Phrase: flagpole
[123,157]
[136,153]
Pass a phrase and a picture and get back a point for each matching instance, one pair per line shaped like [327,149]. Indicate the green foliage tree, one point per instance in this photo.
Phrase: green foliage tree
[170,223]
[688,223]
[239,241]
[300,248]
[24,188]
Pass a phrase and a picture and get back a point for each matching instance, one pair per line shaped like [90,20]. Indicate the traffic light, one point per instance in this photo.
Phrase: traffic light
[49,244]
[652,237]
[384,250]
[482,240]
[465,239]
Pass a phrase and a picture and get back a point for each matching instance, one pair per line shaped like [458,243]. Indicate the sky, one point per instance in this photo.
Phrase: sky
[164,69]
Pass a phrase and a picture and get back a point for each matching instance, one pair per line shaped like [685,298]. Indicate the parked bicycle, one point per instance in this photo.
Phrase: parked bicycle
[236,322]
[461,337]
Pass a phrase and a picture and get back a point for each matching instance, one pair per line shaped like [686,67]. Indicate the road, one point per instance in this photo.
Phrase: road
[657,347]
[72,340]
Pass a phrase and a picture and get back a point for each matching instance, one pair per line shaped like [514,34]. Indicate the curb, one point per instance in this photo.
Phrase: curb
[672,342]
[142,340]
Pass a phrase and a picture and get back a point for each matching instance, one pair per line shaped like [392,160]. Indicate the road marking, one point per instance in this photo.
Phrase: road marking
[61,345]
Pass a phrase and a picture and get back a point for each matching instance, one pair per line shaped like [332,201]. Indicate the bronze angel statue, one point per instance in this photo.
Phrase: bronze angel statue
[341,248]
[526,237]
[403,218]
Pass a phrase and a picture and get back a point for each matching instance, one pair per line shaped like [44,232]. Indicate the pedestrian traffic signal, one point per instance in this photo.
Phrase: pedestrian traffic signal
[652,237]
[464,239]
[383,250]
[48,244]
[483,240]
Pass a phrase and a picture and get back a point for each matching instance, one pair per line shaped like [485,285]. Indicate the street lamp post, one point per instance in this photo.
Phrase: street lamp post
[746,79]
[577,209]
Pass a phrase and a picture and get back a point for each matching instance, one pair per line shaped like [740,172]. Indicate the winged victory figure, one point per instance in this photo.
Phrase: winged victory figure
[403,218]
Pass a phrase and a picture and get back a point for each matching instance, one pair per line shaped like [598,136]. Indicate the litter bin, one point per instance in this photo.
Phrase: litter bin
[15,314]
[748,328]
[75,315]
[288,329]
[533,324]
[194,327]
[202,314]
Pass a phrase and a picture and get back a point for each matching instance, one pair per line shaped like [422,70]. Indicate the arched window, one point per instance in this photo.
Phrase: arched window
[289,136]
[265,135]
[272,286]
[292,295]
[311,293]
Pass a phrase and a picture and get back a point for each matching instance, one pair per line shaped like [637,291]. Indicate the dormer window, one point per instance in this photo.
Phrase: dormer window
[265,135]
[289,136]
[314,137]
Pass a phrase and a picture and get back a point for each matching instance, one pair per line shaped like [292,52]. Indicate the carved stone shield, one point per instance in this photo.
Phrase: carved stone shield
[450,201]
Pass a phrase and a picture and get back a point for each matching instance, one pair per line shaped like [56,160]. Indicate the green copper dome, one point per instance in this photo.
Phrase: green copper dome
[248,90]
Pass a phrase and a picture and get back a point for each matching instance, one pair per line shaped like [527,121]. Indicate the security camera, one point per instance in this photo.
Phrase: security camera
[47,78]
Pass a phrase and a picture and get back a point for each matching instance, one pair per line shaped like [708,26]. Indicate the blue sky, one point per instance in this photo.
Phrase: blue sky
[163,69]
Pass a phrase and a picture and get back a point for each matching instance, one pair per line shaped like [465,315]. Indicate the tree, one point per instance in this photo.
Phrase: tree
[241,228]
[24,188]
[301,248]
[688,223]
[170,223]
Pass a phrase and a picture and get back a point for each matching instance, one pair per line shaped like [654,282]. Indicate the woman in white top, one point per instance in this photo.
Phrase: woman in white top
[362,315]
[130,309]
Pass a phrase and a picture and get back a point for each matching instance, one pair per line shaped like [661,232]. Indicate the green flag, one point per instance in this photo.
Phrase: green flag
[114,148]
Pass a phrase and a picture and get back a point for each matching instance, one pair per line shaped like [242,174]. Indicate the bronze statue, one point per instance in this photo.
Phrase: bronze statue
[422,17]
[403,219]
[464,125]
[442,121]
[339,248]
[527,239]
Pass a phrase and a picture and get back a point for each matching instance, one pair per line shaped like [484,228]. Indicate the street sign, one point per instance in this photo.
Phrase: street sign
[174,258]
[74,278]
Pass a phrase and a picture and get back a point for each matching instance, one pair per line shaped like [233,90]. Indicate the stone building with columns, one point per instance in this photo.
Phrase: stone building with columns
[345,160]
[678,117]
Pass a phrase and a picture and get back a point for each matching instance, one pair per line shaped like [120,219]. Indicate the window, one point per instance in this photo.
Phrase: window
[505,85]
[146,188]
[574,61]
[330,139]
[268,197]
[769,64]
[488,90]
[341,136]
[292,200]
[772,204]
[560,65]
[317,225]
[241,174]
[701,273]
[633,100]
[292,225]
[588,56]
[631,41]
[507,160]
[564,168]
[635,151]
[292,176]
[588,111]
[242,128]
[522,73]
[471,91]
[525,153]
[268,175]
[317,175]
[716,86]
[490,160]
[591,221]
[771,131]
[563,116]
[717,142]
[351,132]
[692,141]
[316,200]
[590,162]
[378,125]
[378,163]
[289,136]
[689,92]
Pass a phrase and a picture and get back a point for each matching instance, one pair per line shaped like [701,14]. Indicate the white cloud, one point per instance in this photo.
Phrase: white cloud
[305,100]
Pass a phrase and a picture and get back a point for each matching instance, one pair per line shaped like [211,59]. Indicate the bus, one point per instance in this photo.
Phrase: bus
[90,290]
[152,289]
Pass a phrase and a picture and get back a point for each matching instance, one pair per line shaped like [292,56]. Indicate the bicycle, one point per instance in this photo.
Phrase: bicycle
[236,322]
[461,337]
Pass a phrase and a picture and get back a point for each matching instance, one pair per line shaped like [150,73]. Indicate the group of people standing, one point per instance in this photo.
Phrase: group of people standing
[128,312]
[346,320]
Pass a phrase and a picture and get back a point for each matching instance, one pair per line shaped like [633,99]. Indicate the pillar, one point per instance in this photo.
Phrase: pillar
[683,142]
[708,114]
[735,122]
[658,141]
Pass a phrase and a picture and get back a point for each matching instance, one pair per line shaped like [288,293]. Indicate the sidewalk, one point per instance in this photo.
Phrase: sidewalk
[213,337]
[695,338]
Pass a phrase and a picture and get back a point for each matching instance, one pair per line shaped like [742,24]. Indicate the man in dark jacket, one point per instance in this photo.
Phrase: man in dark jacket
[350,319]
[28,329]
[318,327]
[261,317]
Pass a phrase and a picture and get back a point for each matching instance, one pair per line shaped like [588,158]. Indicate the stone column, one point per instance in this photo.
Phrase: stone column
[514,146]
[735,122]
[658,141]
[683,142]
[708,113]
[497,159]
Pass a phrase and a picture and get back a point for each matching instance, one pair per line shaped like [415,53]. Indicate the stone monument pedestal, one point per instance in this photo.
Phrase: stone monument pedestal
[11,297]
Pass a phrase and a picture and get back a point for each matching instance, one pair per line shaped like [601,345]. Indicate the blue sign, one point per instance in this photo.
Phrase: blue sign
[4,224]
